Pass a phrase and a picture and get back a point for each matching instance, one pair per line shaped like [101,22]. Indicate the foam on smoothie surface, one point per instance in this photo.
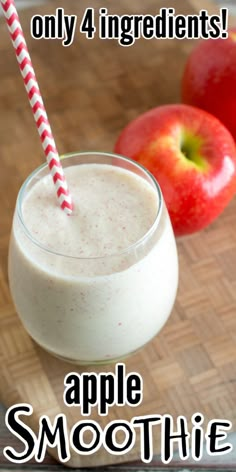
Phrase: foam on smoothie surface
[113,209]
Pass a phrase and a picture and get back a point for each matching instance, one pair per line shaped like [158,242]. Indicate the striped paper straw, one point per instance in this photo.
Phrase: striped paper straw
[36,103]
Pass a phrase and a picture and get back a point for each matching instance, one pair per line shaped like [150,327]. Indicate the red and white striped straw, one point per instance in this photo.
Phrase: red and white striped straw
[36,102]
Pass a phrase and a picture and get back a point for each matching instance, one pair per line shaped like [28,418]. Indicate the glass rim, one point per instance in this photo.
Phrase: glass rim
[66,156]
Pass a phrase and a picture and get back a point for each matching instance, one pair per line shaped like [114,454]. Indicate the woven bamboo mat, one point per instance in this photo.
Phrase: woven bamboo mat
[91,91]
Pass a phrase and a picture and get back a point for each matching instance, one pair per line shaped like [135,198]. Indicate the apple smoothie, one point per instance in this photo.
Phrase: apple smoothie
[99,284]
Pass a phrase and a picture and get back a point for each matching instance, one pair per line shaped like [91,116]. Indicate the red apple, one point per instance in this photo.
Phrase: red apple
[193,157]
[209,79]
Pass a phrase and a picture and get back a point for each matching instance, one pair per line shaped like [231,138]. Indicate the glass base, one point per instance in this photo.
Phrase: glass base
[89,362]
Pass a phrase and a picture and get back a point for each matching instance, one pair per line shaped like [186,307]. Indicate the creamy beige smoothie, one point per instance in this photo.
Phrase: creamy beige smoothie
[99,284]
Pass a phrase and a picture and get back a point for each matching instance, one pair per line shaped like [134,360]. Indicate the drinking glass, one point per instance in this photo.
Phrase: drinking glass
[95,309]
